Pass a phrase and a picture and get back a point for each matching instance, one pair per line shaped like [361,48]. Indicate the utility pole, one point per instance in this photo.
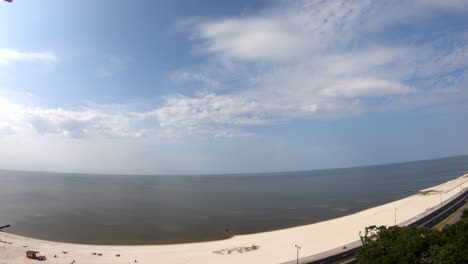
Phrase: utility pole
[297,253]
[440,199]
[396,209]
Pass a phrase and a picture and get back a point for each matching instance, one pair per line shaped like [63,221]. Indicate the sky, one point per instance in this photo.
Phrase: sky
[208,86]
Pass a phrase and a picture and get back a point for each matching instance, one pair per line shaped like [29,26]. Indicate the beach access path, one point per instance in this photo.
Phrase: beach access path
[267,247]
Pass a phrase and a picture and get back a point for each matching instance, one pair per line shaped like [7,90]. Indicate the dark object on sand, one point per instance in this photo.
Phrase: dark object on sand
[32,254]
[64,252]
[35,255]
[5,226]
[229,231]
[118,255]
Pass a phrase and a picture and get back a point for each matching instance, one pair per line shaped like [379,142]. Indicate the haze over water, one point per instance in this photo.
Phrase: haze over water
[131,209]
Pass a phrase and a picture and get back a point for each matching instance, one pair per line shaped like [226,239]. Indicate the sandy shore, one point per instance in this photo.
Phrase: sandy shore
[273,247]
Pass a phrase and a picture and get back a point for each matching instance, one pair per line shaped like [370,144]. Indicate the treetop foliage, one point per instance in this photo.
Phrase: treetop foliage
[396,244]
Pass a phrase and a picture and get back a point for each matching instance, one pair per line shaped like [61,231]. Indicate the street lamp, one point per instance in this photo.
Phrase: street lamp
[440,199]
[297,253]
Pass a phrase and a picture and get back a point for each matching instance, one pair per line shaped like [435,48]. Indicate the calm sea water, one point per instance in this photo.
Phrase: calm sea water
[116,209]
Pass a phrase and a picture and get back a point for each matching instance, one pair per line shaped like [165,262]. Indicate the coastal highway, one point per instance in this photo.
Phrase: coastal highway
[430,220]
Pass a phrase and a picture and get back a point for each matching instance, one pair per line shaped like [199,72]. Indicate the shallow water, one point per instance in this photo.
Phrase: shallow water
[130,209]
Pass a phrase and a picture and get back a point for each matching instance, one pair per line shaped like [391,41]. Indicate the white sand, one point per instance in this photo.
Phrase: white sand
[275,246]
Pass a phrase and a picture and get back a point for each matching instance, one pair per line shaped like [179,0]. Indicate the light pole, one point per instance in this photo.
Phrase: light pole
[396,209]
[440,199]
[297,253]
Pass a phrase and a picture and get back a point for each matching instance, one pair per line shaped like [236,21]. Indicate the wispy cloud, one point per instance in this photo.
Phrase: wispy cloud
[302,59]
[8,56]
[358,88]
[18,118]
[175,119]
[297,59]
[208,109]
[250,39]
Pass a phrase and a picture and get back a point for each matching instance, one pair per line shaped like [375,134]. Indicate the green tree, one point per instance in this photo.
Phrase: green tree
[383,244]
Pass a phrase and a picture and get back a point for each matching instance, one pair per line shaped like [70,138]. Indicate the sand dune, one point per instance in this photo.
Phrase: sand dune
[268,247]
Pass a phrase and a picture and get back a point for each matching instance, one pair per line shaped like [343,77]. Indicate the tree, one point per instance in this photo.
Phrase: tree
[415,244]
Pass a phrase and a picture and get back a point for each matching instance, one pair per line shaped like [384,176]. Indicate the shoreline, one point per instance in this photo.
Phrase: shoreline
[266,247]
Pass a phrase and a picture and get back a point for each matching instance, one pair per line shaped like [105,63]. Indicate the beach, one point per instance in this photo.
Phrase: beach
[267,247]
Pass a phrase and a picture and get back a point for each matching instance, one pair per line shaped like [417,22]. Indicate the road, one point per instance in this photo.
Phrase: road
[430,221]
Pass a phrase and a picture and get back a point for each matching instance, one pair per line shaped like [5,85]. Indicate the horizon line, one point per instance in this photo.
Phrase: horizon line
[245,173]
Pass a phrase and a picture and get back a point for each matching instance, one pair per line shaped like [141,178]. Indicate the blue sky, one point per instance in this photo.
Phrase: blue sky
[194,87]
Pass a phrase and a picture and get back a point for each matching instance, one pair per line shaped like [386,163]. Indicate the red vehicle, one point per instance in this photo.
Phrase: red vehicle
[35,255]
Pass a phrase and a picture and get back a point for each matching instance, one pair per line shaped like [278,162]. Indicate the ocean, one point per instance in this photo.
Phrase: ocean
[137,210]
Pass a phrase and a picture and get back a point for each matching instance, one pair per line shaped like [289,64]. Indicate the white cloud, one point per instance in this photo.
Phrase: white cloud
[360,87]
[302,59]
[8,56]
[367,60]
[67,123]
[17,118]
[178,117]
[297,59]
[183,111]
[250,38]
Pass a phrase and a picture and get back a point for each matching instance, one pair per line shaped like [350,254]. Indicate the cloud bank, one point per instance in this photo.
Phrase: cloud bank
[295,60]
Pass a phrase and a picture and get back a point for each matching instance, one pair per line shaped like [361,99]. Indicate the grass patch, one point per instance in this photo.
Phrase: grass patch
[465,214]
